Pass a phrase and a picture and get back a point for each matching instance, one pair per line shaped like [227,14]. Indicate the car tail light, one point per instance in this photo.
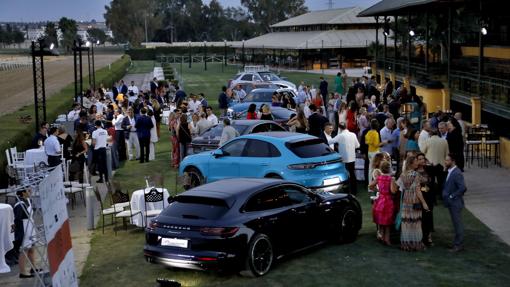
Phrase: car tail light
[207,259]
[153,225]
[301,166]
[219,231]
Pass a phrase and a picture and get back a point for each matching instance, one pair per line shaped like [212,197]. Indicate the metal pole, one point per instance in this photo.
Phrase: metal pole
[385,45]
[205,56]
[75,72]
[449,43]
[81,72]
[395,55]
[322,55]
[189,49]
[408,43]
[93,69]
[146,36]
[43,88]
[90,68]
[243,58]
[36,103]
[225,54]
[480,54]
[376,38]
[427,24]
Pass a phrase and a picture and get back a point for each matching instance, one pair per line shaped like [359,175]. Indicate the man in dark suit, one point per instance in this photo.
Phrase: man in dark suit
[143,130]
[223,101]
[154,85]
[453,192]
[316,122]
[323,87]
[123,88]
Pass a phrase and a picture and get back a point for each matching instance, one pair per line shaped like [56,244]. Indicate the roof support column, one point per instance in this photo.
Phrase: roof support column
[376,38]
[427,28]
[449,55]
[385,43]
[395,36]
[409,44]
[480,54]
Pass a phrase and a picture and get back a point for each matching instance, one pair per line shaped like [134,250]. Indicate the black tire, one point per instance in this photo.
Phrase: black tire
[273,175]
[348,227]
[260,256]
[195,178]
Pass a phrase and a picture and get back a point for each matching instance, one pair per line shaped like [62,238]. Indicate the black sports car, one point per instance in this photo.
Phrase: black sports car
[247,224]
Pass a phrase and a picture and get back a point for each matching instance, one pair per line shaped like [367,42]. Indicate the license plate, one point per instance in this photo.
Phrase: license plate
[174,242]
[331,181]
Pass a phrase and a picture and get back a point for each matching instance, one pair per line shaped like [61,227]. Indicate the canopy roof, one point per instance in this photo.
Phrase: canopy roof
[334,16]
[384,7]
[313,39]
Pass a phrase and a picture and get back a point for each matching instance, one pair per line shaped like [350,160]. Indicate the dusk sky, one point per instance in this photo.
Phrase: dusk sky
[41,10]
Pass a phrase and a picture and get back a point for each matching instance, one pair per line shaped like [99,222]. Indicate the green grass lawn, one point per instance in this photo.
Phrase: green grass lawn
[118,260]
[140,67]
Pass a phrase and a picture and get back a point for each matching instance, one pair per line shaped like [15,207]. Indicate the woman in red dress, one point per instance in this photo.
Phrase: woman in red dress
[352,125]
[383,208]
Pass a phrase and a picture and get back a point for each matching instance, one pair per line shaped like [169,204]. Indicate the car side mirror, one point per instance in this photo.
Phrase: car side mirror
[171,199]
[218,153]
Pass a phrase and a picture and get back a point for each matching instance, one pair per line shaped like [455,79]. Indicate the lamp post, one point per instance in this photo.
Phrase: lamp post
[189,50]
[205,55]
[88,45]
[78,51]
[242,56]
[225,53]
[37,54]
[93,65]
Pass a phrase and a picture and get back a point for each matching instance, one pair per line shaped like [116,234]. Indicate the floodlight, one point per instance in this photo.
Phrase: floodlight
[411,33]
[484,31]
[52,46]
[87,44]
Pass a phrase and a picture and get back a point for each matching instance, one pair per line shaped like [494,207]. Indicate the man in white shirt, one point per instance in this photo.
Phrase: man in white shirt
[424,135]
[120,137]
[240,93]
[74,114]
[193,104]
[347,145]
[133,88]
[228,132]
[52,148]
[388,137]
[99,139]
[211,117]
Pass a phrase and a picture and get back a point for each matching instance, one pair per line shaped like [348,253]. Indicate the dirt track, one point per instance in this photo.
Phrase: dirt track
[17,90]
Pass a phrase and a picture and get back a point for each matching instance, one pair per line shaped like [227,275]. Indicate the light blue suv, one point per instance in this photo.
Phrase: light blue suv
[298,157]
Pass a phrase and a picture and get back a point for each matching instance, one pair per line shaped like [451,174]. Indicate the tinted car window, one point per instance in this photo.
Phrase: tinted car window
[234,148]
[283,114]
[309,148]
[195,207]
[258,148]
[268,199]
[262,128]
[256,96]
[217,129]
[276,128]
[246,77]
[269,76]
[296,194]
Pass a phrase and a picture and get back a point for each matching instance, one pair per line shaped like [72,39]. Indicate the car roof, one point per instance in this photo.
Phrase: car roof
[232,188]
[279,136]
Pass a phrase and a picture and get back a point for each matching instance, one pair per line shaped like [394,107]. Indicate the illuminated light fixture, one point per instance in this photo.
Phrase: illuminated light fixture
[484,31]
[97,42]
[411,33]
[52,46]
[87,44]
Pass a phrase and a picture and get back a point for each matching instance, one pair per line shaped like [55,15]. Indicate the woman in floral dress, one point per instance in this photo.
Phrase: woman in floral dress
[411,207]
[172,125]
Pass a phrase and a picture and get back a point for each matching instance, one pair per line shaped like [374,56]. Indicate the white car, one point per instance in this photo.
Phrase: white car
[257,76]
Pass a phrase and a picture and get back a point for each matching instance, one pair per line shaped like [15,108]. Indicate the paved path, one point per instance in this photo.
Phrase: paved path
[488,198]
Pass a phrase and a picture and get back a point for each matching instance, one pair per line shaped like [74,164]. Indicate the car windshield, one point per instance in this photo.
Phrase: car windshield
[217,129]
[258,96]
[267,76]
[196,207]
[282,114]
[309,148]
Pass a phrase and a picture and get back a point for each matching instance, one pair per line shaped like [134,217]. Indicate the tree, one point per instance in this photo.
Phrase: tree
[50,33]
[69,31]
[128,18]
[95,34]
[268,12]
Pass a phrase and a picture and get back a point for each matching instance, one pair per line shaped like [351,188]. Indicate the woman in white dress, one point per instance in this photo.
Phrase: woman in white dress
[154,136]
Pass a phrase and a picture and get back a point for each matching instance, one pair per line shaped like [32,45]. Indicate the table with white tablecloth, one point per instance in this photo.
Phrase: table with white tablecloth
[138,203]
[35,156]
[6,234]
